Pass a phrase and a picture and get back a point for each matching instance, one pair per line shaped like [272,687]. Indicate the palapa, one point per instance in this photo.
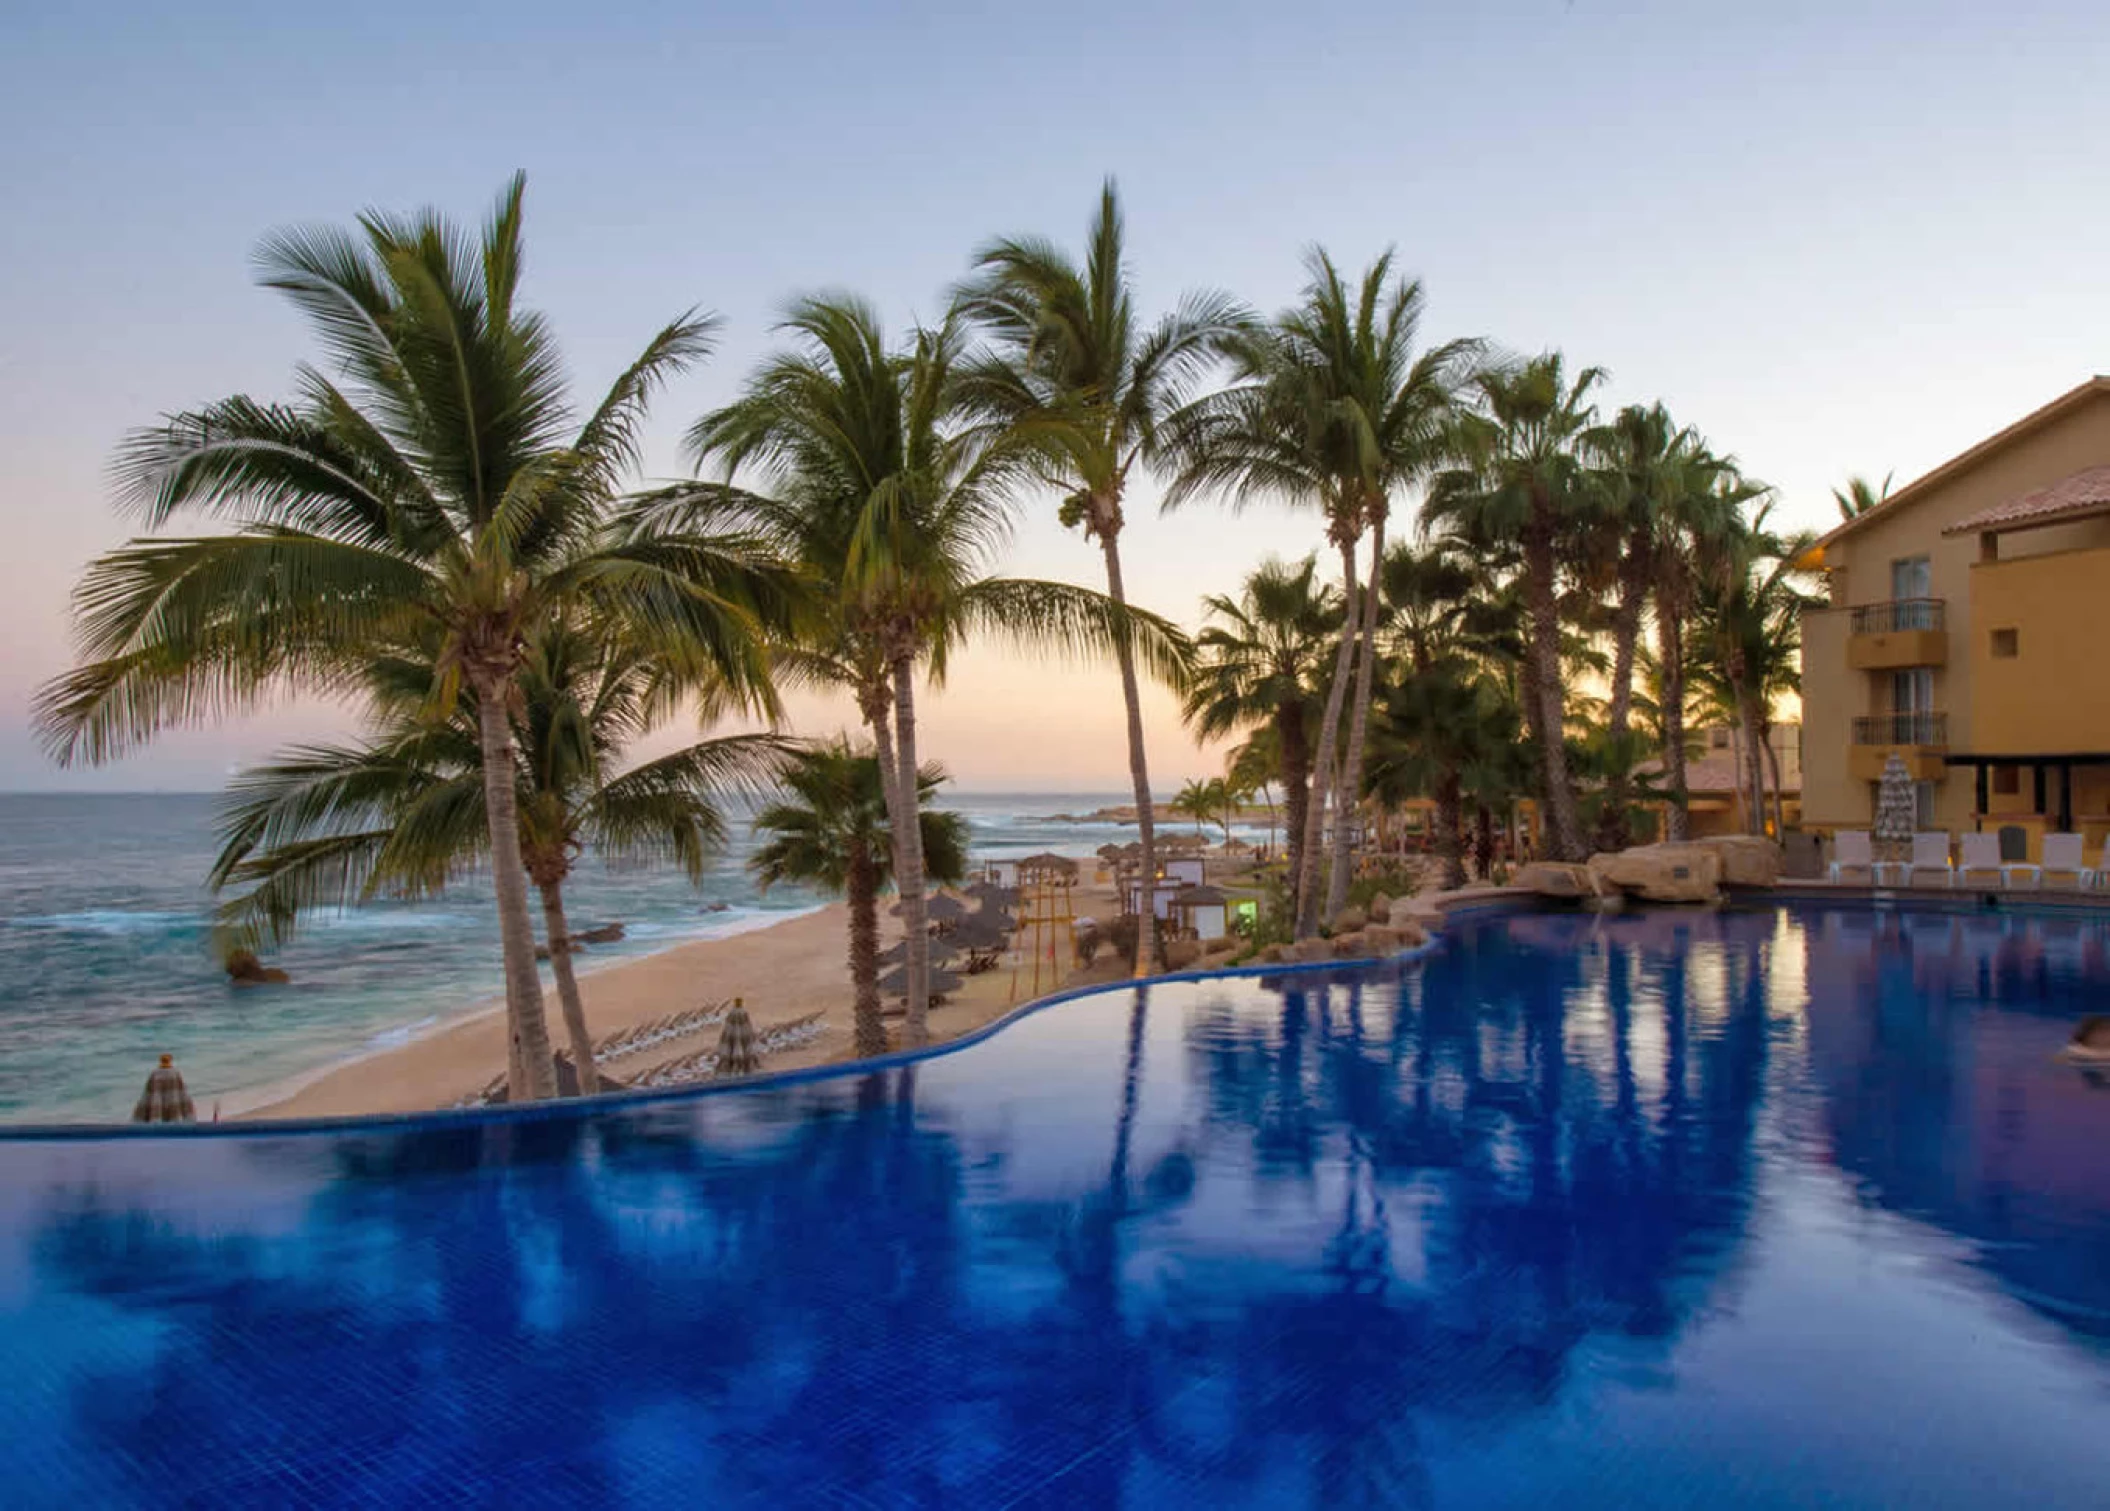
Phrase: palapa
[738,1055]
[895,983]
[164,1100]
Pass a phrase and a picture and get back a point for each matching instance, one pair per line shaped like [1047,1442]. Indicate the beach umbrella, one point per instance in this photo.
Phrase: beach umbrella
[974,934]
[895,983]
[941,950]
[938,907]
[164,1100]
[1897,808]
[737,1051]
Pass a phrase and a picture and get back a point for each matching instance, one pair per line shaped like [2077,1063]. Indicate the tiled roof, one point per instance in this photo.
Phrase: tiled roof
[1714,771]
[2086,492]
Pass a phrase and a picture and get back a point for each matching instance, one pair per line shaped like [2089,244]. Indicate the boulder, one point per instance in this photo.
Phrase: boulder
[1550,878]
[1412,936]
[1381,906]
[1662,873]
[1222,944]
[1349,919]
[1382,938]
[1405,912]
[607,933]
[1272,954]
[1182,954]
[1350,946]
[1305,951]
[1748,860]
[244,969]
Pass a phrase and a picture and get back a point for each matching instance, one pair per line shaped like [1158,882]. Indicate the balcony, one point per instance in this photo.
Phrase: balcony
[1922,738]
[1903,632]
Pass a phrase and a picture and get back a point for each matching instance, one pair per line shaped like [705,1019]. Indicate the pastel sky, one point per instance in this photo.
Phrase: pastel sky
[1837,237]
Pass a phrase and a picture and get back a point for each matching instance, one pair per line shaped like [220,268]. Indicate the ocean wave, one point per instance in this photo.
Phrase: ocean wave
[108,921]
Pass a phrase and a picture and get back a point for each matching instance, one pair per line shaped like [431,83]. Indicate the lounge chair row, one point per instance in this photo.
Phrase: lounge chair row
[1977,861]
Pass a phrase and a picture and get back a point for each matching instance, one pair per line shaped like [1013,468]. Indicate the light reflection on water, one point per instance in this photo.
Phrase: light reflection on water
[1664,1209]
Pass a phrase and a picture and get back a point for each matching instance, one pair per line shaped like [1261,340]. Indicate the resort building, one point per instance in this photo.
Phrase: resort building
[1965,633]
[1719,789]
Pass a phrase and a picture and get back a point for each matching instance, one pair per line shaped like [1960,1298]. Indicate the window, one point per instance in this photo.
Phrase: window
[2007,780]
[2007,644]
[1912,577]
[1912,691]
[1718,739]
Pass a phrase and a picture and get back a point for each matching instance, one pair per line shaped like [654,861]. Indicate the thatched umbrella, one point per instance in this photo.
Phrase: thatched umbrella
[895,983]
[164,1100]
[941,950]
[737,1052]
[938,907]
[1897,811]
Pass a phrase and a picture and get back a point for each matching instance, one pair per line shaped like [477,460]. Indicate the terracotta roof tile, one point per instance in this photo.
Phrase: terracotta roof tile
[2086,492]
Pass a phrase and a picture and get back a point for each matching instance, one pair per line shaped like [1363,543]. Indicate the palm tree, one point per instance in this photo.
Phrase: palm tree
[1753,644]
[437,479]
[1702,518]
[831,832]
[1255,770]
[1196,800]
[1336,407]
[895,508]
[1859,496]
[1522,478]
[403,811]
[1079,381]
[1260,665]
[1644,460]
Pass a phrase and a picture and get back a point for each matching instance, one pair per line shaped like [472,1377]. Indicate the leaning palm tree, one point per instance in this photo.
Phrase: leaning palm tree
[872,483]
[1699,524]
[1262,663]
[830,831]
[1196,799]
[1078,381]
[1522,478]
[436,477]
[404,811]
[1752,614]
[1336,407]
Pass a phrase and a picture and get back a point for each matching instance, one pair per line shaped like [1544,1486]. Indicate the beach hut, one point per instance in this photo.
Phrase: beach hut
[1200,911]
[738,1054]
[164,1100]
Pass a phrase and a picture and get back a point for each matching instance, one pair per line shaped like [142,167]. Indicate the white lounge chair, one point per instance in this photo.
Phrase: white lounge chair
[1852,851]
[1930,854]
[1979,857]
[2064,855]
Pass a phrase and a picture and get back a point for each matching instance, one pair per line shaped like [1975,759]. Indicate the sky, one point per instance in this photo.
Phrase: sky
[1837,238]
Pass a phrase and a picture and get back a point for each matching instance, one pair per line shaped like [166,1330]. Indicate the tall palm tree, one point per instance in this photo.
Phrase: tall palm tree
[1336,407]
[1522,477]
[403,811]
[1860,495]
[1262,664]
[1753,611]
[1196,799]
[874,484]
[1644,459]
[831,832]
[1700,522]
[1076,378]
[437,477]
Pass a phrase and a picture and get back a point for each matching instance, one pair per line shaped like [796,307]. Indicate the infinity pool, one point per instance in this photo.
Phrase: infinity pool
[1670,1209]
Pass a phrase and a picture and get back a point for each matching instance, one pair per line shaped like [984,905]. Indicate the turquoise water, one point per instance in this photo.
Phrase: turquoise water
[104,962]
[1781,1208]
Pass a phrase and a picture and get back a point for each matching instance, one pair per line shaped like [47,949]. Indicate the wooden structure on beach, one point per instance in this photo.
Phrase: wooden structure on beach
[1047,919]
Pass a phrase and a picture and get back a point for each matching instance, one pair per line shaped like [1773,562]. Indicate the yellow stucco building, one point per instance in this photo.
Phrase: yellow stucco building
[1968,630]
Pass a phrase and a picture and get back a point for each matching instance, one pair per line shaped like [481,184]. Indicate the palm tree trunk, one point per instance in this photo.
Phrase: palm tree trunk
[1780,797]
[862,889]
[1754,779]
[1484,841]
[908,876]
[1450,828]
[1295,740]
[877,704]
[1307,891]
[1562,824]
[1670,647]
[574,1008]
[1615,832]
[529,1074]
[1348,805]
[1138,764]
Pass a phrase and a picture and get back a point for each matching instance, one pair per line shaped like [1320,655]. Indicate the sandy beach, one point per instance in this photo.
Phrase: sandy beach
[783,973]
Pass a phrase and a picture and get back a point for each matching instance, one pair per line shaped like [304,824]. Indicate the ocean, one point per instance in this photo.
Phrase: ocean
[105,964]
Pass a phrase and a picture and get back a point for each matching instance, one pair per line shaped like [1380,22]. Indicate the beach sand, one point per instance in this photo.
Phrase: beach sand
[784,972]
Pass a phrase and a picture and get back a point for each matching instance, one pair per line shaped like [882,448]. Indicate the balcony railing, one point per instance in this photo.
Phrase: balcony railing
[1898,615]
[1902,729]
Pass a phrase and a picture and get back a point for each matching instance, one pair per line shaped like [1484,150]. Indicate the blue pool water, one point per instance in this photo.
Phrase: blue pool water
[1670,1209]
